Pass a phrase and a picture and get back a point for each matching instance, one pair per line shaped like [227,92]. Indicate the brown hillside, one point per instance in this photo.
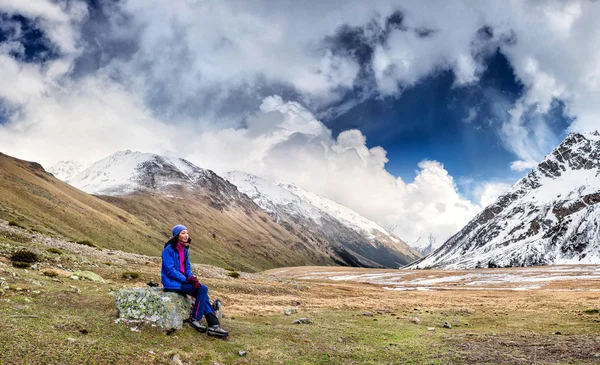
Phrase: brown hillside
[239,236]
[36,200]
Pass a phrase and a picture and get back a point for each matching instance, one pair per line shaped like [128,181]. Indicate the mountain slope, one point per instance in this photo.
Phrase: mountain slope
[227,227]
[350,238]
[550,216]
[35,199]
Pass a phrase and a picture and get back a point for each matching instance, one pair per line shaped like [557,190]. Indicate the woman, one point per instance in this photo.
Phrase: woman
[177,276]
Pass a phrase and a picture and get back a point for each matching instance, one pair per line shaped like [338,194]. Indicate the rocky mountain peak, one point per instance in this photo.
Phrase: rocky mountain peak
[549,216]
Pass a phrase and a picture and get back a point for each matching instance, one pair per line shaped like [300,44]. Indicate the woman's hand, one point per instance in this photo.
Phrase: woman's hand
[194,281]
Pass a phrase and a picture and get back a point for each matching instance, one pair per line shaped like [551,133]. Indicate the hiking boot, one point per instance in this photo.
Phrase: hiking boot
[198,326]
[216,306]
[217,331]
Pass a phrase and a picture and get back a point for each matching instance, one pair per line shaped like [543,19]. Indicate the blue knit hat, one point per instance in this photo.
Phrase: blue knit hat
[178,228]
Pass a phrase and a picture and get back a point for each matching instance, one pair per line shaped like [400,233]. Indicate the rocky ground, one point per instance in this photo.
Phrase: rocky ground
[54,312]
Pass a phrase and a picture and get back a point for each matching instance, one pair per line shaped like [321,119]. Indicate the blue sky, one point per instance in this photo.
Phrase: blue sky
[460,99]
[435,120]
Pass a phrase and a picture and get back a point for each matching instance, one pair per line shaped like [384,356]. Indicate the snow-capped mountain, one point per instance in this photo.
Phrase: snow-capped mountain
[126,172]
[272,198]
[369,229]
[351,236]
[66,170]
[551,216]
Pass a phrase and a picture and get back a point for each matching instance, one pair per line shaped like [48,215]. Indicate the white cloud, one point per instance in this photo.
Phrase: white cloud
[20,82]
[488,192]
[224,48]
[520,165]
[84,121]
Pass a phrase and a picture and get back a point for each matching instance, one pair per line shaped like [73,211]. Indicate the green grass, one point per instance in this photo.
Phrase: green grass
[54,250]
[86,243]
[15,224]
[336,337]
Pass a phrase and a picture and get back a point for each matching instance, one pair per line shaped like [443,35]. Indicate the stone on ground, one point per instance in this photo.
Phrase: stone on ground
[290,311]
[165,309]
[303,321]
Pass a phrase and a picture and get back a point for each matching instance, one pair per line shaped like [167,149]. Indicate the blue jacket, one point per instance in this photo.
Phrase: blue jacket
[170,275]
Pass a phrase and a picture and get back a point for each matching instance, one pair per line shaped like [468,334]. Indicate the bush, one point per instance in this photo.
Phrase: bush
[15,224]
[51,274]
[54,250]
[15,236]
[21,265]
[86,243]
[592,311]
[229,269]
[234,274]
[25,257]
[130,275]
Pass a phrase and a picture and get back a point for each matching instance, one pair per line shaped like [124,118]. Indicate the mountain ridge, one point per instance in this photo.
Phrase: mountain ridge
[550,216]
[346,231]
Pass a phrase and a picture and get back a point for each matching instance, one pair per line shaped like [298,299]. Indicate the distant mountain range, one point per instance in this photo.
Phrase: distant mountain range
[247,221]
[551,216]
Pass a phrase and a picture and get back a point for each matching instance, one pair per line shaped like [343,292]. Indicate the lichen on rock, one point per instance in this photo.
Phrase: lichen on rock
[165,309]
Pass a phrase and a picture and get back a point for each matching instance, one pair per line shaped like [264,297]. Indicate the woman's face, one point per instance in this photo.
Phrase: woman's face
[184,236]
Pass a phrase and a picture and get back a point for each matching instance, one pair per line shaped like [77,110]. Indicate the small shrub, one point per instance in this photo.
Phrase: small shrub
[51,274]
[24,256]
[16,237]
[86,243]
[234,274]
[130,275]
[15,224]
[592,311]
[21,265]
[229,269]
[54,250]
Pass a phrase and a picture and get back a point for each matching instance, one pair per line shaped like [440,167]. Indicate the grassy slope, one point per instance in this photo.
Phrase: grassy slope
[246,240]
[35,199]
[74,321]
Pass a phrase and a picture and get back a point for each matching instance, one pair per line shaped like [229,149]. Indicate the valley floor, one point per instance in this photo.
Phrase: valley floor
[542,315]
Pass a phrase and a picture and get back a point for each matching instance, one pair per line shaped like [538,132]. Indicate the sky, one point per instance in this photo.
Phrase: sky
[414,114]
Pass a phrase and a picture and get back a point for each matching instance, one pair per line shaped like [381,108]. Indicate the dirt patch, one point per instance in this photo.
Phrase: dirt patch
[527,349]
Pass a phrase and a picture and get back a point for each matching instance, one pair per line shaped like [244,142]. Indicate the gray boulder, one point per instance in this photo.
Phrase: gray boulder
[165,309]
